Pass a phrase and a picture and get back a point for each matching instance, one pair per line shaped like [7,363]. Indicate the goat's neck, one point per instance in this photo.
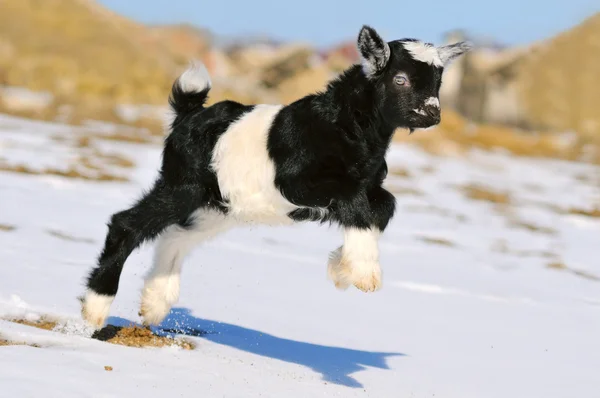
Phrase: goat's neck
[358,99]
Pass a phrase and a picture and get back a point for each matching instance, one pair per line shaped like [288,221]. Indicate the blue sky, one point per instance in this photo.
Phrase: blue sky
[326,22]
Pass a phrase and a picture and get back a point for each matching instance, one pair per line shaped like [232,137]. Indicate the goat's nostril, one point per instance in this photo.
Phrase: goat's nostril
[432,112]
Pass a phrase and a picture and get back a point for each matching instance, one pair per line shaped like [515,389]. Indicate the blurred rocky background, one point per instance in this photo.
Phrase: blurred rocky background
[74,61]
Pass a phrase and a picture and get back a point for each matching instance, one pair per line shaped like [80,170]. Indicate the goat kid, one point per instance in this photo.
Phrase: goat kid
[320,158]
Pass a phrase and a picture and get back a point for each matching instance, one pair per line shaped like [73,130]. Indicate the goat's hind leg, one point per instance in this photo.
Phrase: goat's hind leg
[161,288]
[127,230]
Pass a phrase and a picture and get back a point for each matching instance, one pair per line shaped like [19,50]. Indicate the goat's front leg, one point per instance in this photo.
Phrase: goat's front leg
[363,220]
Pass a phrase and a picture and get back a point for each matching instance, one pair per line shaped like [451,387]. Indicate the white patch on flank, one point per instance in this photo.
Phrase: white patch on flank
[246,173]
[195,79]
[357,261]
[95,308]
[161,288]
[432,101]
[422,52]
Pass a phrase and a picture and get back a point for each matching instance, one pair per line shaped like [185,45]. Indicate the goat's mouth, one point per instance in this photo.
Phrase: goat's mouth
[422,124]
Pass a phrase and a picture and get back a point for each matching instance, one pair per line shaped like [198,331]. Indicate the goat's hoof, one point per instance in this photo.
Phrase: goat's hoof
[338,270]
[369,283]
[154,312]
[95,308]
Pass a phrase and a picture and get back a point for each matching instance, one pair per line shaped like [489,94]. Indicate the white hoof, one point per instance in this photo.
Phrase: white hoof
[364,275]
[95,308]
[158,297]
[338,271]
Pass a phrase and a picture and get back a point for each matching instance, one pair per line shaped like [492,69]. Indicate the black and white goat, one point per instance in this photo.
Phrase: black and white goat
[320,158]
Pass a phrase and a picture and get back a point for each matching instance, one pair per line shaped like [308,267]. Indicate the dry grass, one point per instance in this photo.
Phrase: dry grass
[135,138]
[67,237]
[501,246]
[595,212]
[5,343]
[437,241]
[7,227]
[399,172]
[43,323]
[400,190]
[134,336]
[557,265]
[482,193]
[560,266]
[533,228]
[457,135]
[116,160]
[131,336]
[71,172]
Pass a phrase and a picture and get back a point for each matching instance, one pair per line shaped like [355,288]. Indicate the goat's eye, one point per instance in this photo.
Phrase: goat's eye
[401,80]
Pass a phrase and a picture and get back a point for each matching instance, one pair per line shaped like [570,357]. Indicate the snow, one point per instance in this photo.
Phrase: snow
[482,317]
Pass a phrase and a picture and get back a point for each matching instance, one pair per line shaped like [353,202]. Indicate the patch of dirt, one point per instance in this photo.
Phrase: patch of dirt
[64,236]
[482,193]
[5,343]
[399,172]
[595,212]
[122,136]
[41,324]
[436,241]
[399,190]
[134,336]
[7,227]
[533,228]
[560,266]
[130,336]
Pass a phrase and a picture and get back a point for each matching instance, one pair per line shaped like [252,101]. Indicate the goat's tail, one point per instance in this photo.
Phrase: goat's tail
[190,90]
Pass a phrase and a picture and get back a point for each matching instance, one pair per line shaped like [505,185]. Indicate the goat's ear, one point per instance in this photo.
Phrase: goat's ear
[451,51]
[374,50]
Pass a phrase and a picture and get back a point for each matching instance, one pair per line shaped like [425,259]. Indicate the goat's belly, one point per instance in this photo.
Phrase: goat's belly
[245,171]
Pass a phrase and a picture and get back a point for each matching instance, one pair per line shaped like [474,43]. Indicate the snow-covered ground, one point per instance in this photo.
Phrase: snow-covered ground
[469,306]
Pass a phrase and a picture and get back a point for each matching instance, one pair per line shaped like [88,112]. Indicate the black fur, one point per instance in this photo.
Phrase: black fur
[328,150]
[185,184]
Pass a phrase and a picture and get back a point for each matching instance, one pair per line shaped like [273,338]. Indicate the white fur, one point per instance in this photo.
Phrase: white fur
[95,308]
[161,288]
[368,67]
[357,261]
[246,173]
[451,51]
[433,101]
[195,79]
[423,52]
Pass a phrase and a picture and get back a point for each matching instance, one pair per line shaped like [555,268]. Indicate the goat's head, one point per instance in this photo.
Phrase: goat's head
[407,75]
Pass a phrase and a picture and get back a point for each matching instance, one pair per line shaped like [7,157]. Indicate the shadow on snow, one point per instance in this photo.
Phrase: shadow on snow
[335,364]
